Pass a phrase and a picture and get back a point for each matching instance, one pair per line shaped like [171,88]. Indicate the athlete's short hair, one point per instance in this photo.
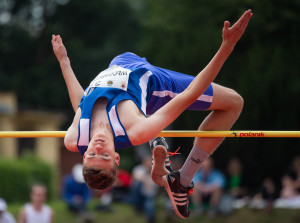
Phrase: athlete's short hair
[97,178]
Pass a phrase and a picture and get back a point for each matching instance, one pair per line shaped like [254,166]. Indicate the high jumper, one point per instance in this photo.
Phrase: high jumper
[132,101]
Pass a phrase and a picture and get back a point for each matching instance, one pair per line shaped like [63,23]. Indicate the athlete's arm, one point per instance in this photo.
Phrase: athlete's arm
[71,136]
[209,73]
[74,88]
[147,129]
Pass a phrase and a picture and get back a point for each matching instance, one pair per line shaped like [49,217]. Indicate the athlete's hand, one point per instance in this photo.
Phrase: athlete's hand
[232,35]
[59,48]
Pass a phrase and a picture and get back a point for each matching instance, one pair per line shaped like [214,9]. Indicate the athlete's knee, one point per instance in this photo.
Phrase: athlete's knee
[227,99]
[236,102]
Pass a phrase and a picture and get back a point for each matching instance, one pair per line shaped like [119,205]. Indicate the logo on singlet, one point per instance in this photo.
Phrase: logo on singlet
[110,83]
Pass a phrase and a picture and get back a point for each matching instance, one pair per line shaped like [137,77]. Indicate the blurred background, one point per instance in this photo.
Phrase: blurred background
[177,35]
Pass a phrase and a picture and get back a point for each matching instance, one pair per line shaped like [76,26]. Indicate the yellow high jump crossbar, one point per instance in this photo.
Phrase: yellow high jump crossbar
[169,133]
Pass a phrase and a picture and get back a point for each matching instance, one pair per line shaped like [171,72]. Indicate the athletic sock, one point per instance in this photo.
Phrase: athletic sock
[192,165]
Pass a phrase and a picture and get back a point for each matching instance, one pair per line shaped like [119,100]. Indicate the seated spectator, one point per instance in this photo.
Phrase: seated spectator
[236,183]
[119,192]
[289,189]
[236,188]
[289,196]
[294,172]
[121,187]
[143,190]
[5,216]
[266,196]
[290,192]
[75,192]
[105,201]
[37,210]
[209,185]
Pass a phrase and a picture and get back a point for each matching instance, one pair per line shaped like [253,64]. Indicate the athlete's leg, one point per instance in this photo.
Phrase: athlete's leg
[226,108]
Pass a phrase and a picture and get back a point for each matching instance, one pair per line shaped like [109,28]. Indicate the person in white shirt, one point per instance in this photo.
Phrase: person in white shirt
[37,211]
[5,216]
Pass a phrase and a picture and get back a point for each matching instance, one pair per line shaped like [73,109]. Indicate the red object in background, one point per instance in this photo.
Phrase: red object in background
[124,178]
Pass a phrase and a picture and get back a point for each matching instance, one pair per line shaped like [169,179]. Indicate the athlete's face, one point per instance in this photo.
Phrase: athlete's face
[101,153]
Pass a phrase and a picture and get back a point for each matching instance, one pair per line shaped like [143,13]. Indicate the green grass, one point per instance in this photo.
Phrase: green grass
[124,213]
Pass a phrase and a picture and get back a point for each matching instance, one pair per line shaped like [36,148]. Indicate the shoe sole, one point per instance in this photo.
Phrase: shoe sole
[167,187]
[159,170]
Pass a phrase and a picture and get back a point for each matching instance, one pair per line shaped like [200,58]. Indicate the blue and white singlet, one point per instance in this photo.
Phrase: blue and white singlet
[130,77]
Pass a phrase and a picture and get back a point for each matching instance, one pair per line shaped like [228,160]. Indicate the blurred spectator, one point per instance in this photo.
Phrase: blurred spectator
[266,196]
[105,201]
[5,216]
[290,192]
[236,188]
[288,187]
[294,172]
[122,185]
[143,191]
[289,195]
[209,185]
[75,192]
[119,192]
[236,183]
[37,210]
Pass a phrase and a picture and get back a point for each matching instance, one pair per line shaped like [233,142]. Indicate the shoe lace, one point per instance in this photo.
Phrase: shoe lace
[174,153]
[191,191]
